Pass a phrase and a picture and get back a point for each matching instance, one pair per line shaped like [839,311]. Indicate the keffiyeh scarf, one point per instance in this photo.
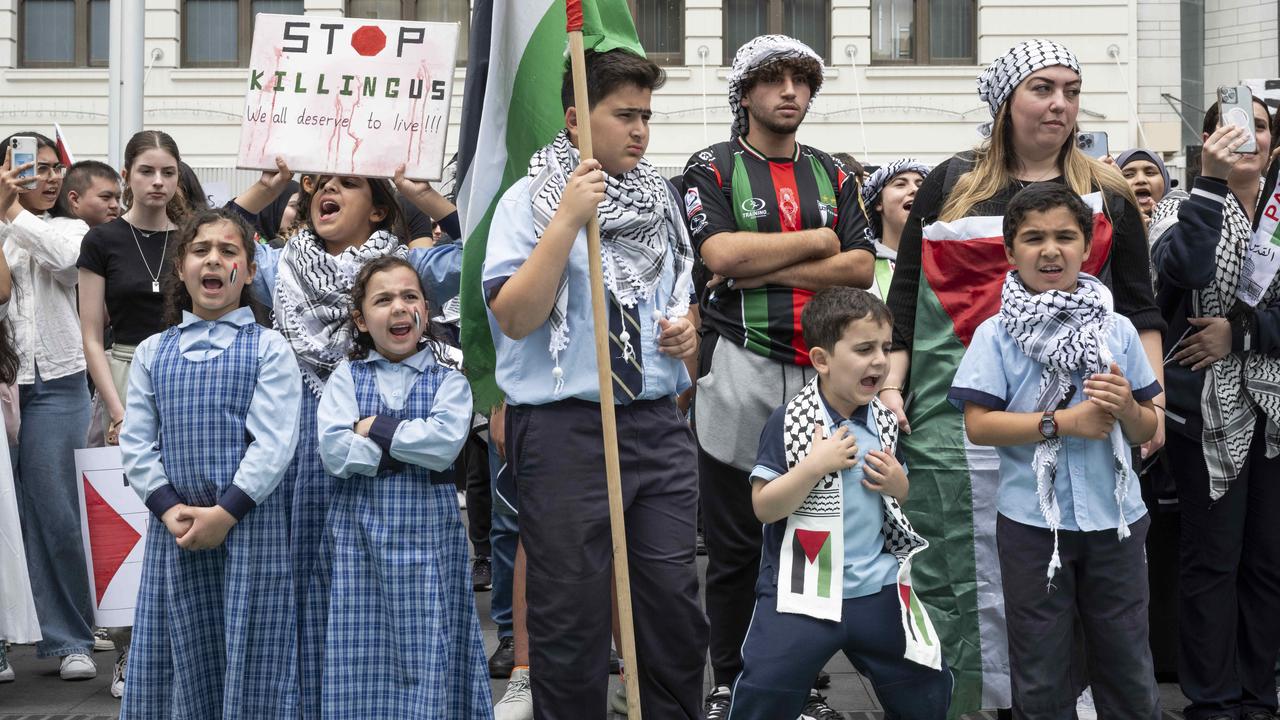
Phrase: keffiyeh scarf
[998,81]
[1243,385]
[881,178]
[639,227]
[754,54]
[312,301]
[1067,333]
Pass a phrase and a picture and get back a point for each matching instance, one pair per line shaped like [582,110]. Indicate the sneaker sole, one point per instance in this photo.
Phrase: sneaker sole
[78,676]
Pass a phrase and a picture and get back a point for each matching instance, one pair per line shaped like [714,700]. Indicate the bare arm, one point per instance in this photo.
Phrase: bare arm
[93,305]
[895,380]
[750,254]
[778,498]
[259,195]
[1155,356]
[853,269]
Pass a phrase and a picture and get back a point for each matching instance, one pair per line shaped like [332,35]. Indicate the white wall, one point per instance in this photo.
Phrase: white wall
[1240,43]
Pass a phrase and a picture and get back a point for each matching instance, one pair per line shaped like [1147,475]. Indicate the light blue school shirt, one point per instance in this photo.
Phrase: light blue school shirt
[524,366]
[272,421]
[996,374]
[867,567]
[432,442]
[440,268]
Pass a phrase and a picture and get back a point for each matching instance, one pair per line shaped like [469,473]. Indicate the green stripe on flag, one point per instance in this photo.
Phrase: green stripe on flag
[824,569]
[917,616]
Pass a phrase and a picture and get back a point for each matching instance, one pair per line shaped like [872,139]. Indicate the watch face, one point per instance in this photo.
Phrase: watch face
[1048,427]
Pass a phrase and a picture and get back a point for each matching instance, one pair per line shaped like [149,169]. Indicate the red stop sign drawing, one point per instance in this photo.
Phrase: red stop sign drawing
[368,40]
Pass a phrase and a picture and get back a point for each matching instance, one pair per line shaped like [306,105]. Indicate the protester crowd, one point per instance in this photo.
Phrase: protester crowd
[924,416]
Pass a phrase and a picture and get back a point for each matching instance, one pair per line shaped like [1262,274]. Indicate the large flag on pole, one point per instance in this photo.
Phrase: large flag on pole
[953,482]
[514,75]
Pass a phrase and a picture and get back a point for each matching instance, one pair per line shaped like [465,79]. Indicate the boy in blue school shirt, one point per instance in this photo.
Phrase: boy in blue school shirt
[537,286]
[1059,384]
[836,564]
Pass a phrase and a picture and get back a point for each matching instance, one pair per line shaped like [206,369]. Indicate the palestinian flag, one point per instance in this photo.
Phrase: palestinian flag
[516,69]
[953,482]
[64,153]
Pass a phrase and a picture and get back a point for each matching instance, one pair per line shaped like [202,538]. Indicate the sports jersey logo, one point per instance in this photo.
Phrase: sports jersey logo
[692,202]
[789,207]
[753,208]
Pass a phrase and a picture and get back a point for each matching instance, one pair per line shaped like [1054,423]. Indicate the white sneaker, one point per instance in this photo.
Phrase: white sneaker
[1084,706]
[117,675]
[78,666]
[517,701]
[6,670]
[102,641]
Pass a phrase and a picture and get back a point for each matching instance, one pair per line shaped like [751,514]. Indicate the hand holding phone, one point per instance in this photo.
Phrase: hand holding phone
[23,151]
[1235,106]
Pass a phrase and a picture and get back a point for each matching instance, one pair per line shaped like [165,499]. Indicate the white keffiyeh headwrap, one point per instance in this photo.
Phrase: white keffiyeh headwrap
[998,81]
[755,54]
[1066,332]
[312,302]
[880,178]
[640,226]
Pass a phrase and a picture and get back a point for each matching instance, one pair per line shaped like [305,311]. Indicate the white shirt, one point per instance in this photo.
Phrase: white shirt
[42,253]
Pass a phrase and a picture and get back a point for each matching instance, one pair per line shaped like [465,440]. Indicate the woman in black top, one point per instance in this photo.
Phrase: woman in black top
[1033,92]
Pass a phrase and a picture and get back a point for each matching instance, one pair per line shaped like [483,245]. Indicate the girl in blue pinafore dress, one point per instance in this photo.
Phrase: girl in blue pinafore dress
[402,638]
[210,426]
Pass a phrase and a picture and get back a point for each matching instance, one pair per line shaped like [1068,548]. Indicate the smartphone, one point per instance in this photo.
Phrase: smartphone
[1093,144]
[1235,103]
[24,151]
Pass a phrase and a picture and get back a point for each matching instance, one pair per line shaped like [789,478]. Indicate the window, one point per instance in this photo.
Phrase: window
[808,21]
[219,33]
[458,11]
[63,33]
[923,32]
[660,27]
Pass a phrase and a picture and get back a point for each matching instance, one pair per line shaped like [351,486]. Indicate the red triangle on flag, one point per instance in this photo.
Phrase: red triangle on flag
[812,541]
[111,539]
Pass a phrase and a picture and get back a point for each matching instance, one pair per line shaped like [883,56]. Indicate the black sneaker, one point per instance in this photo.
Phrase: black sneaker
[817,708]
[481,574]
[717,703]
[503,660]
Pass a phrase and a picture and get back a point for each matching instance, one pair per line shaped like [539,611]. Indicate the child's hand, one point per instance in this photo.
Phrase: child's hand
[175,521]
[884,474]
[1207,345]
[418,192]
[583,193]
[1088,419]
[362,428]
[275,181]
[678,339]
[831,454]
[1111,391]
[209,527]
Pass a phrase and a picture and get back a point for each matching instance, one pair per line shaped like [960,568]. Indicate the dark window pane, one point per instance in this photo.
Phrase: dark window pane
[49,31]
[951,35]
[212,32]
[806,21]
[743,20]
[99,32]
[458,11]
[377,9]
[892,30]
[659,23]
[277,7]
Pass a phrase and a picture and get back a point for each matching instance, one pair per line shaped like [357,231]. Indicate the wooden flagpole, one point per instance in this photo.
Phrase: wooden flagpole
[600,318]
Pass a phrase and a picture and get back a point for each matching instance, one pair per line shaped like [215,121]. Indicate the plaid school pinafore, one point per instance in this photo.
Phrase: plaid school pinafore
[403,639]
[214,633]
[309,489]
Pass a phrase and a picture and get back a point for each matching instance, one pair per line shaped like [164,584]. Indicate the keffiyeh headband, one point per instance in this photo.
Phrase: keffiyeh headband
[880,178]
[998,81]
[755,54]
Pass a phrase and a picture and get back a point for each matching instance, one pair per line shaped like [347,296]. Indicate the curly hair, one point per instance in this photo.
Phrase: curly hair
[359,291]
[176,296]
[803,69]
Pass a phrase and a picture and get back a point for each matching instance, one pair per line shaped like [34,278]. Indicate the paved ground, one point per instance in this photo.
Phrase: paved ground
[38,693]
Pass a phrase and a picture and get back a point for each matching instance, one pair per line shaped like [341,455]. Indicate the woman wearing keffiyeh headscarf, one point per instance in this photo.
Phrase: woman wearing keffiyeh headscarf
[942,290]
[1221,295]
[887,197]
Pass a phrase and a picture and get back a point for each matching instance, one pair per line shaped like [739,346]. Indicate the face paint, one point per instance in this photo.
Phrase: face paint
[417,321]
[235,270]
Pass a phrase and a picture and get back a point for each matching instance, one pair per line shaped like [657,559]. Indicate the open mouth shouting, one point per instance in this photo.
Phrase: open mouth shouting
[868,384]
[329,209]
[401,329]
[212,284]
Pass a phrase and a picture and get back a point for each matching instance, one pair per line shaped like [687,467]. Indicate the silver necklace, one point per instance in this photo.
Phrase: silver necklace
[155,276]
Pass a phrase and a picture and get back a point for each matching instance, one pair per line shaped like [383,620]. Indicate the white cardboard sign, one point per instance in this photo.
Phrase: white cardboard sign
[113,525]
[348,96]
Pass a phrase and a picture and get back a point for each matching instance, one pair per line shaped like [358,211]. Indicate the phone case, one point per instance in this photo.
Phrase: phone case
[1235,103]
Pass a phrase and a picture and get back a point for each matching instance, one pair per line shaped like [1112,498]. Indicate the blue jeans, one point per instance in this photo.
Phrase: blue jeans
[55,418]
[504,533]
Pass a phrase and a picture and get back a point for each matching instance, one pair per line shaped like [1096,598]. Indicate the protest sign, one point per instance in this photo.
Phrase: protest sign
[348,96]
[113,525]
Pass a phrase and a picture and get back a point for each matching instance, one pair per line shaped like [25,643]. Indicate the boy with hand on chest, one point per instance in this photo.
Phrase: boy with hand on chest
[837,548]
[1059,384]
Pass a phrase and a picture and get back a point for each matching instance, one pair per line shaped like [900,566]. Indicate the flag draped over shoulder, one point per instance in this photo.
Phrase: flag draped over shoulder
[953,482]
[511,108]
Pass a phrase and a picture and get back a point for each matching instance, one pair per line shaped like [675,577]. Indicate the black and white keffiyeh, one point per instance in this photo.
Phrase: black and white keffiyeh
[1067,333]
[880,178]
[753,55]
[639,227]
[998,81]
[312,301]
[1241,386]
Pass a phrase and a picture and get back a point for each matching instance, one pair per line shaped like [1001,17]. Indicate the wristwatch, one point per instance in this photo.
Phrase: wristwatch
[1049,426]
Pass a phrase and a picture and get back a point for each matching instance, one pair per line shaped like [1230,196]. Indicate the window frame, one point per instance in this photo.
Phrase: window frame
[83,34]
[244,38]
[773,26]
[920,54]
[664,59]
[409,10]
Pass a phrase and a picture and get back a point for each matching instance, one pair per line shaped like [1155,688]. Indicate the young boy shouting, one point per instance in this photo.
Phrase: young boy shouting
[1060,385]
[835,573]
